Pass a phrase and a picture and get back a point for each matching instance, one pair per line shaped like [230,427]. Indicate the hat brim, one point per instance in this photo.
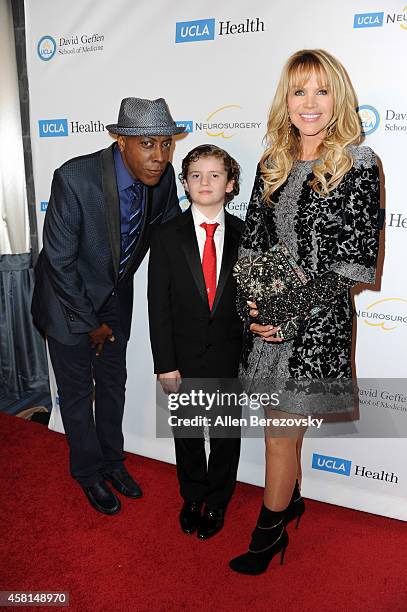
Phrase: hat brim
[168,130]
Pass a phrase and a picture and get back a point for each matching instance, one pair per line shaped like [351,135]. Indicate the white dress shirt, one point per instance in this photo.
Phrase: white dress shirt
[218,237]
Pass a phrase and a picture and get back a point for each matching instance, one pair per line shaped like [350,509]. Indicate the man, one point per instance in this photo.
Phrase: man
[97,229]
[195,330]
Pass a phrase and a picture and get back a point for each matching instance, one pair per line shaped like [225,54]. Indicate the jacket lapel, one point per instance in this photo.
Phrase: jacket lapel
[189,243]
[112,205]
[230,246]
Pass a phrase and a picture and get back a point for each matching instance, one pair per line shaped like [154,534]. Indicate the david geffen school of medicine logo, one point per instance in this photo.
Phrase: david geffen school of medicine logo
[369,118]
[46,48]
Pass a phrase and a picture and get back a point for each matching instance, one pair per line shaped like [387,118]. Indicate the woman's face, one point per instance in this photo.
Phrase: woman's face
[310,107]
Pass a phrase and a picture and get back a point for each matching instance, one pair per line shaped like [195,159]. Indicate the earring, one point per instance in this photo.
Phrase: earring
[330,130]
[288,132]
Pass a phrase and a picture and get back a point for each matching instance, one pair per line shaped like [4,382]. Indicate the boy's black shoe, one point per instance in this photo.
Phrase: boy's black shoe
[190,517]
[211,523]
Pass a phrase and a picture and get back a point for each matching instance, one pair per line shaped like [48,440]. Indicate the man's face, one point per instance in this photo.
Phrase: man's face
[145,157]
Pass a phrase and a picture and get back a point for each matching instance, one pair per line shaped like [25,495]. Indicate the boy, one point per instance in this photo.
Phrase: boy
[195,331]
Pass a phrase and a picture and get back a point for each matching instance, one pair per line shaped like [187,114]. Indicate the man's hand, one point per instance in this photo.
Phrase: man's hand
[99,336]
[267,332]
[170,381]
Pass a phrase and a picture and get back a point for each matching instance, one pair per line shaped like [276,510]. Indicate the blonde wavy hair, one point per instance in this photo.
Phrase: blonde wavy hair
[283,144]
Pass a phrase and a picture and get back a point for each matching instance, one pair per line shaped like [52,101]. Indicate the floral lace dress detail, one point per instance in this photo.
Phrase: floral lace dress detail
[335,240]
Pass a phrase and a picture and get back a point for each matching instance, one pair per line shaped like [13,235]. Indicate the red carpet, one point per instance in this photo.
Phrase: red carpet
[339,560]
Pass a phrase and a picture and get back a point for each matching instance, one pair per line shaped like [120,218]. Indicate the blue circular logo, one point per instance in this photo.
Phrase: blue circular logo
[46,48]
[184,203]
[369,118]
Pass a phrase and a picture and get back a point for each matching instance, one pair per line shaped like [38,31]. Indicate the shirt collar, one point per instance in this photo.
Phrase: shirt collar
[123,176]
[199,217]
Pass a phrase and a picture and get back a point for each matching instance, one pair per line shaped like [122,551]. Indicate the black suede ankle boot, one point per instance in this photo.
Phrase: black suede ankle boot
[296,507]
[268,539]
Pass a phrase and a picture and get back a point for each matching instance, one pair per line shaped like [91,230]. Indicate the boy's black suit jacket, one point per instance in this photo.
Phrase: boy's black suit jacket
[185,334]
[77,269]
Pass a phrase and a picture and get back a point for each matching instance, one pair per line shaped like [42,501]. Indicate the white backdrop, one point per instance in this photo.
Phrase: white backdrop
[218,75]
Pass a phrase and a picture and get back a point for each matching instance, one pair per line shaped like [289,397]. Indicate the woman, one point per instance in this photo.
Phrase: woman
[318,193]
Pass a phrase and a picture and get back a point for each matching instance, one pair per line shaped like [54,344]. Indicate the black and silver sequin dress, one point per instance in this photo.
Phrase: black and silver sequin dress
[335,240]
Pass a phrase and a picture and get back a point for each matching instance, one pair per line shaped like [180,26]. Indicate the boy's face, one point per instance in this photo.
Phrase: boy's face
[207,182]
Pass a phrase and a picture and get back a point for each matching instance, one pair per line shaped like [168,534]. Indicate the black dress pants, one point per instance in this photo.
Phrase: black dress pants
[214,481]
[95,439]
[211,481]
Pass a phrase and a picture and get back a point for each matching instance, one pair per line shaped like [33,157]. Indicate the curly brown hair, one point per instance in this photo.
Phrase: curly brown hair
[209,150]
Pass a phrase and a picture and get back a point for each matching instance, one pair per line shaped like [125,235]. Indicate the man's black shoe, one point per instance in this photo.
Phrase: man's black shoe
[190,516]
[211,522]
[123,482]
[102,498]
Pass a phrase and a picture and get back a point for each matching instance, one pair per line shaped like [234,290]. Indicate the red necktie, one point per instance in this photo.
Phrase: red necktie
[209,261]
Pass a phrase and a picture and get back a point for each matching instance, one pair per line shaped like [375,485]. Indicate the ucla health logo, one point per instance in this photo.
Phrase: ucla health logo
[50,128]
[369,118]
[331,464]
[46,48]
[195,31]
[188,125]
[368,20]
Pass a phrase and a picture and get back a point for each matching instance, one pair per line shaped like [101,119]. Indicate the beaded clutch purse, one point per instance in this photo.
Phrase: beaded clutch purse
[262,277]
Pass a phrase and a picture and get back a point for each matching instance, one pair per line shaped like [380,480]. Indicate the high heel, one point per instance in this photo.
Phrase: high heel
[296,507]
[268,539]
[284,549]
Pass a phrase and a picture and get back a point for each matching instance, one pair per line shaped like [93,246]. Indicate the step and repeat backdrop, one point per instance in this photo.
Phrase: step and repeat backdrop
[217,65]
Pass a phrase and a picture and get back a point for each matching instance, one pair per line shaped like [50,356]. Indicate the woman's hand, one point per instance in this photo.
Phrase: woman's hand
[266,332]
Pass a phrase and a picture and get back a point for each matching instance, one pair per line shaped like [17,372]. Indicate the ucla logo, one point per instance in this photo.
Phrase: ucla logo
[188,125]
[195,31]
[50,128]
[369,119]
[46,48]
[43,206]
[331,464]
[184,203]
[368,20]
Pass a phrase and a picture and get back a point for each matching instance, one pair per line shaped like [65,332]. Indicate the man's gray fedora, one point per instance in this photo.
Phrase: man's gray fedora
[138,117]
